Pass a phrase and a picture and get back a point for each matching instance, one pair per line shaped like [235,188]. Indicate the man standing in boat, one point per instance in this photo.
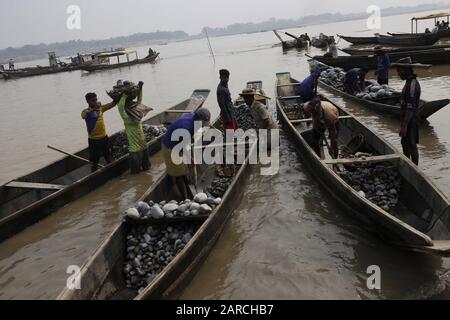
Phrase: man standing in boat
[308,87]
[178,172]
[137,146]
[98,139]
[11,65]
[332,49]
[410,102]
[324,116]
[384,63]
[227,114]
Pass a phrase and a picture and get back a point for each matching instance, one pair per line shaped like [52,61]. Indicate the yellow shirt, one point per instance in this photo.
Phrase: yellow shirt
[94,121]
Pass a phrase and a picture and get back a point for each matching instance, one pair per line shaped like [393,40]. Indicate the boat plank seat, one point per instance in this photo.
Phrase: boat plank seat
[310,119]
[289,97]
[33,185]
[288,85]
[178,111]
[363,160]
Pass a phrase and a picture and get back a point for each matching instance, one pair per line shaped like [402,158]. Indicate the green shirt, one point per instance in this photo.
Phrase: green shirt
[133,128]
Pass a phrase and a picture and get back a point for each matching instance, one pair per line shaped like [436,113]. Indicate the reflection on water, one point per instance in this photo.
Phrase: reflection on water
[287,239]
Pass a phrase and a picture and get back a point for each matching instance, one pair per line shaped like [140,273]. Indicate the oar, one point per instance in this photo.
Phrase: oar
[291,35]
[72,155]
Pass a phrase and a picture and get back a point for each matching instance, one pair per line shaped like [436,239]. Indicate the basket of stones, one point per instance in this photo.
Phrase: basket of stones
[122,87]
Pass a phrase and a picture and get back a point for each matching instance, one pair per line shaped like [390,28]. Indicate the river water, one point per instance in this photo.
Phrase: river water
[287,239]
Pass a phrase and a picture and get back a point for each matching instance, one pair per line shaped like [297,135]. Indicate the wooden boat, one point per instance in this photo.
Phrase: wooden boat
[36,71]
[390,106]
[102,275]
[363,52]
[34,196]
[421,220]
[360,40]
[422,40]
[320,43]
[297,43]
[433,57]
[106,66]
[443,33]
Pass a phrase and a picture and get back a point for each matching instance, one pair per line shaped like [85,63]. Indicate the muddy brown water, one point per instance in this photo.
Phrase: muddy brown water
[287,239]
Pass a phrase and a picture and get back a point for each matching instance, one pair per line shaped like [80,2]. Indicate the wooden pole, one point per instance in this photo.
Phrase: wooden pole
[72,155]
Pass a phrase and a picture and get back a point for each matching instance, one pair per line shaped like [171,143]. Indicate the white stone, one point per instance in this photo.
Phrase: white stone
[200,197]
[204,208]
[170,207]
[156,212]
[133,213]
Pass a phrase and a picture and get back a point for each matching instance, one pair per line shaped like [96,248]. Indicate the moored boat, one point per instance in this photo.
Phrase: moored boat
[416,214]
[360,40]
[106,65]
[433,57]
[34,196]
[388,105]
[103,275]
[364,52]
[411,40]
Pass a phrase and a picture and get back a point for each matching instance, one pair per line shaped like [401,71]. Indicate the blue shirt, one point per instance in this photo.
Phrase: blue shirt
[225,102]
[308,87]
[383,66]
[410,99]
[185,122]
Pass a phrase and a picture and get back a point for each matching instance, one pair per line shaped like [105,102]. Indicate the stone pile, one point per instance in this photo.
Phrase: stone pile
[378,183]
[119,141]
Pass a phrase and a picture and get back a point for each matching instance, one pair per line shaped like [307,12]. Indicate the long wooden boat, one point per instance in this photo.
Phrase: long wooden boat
[423,40]
[443,33]
[102,276]
[363,52]
[421,220]
[433,57]
[390,106]
[360,40]
[36,71]
[296,43]
[99,67]
[30,198]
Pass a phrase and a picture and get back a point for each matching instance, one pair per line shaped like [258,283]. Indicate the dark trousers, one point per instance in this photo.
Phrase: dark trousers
[97,149]
[410,141]
[139,161]
[382,81]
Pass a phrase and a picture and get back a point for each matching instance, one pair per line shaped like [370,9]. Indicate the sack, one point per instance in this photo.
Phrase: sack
[137,111]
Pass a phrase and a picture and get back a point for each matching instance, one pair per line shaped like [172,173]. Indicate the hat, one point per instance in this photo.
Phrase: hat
[407,63]
[252,92]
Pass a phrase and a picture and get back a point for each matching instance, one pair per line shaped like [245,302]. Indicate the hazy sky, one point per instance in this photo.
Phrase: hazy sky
[35,21]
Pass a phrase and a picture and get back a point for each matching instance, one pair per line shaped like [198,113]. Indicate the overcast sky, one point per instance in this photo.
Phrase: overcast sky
[35,21]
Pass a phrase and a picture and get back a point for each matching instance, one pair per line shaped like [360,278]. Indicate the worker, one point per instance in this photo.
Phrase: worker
[410,103]
[137,146]
[355,80]
[227,113]
[11,64]
[332,49]
[308,87]
[383,64]
[263,119]
[98,140]
[178,172]
[324,116]
[427,30]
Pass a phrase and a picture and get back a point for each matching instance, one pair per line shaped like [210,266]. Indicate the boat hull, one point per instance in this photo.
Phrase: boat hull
[20,208]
